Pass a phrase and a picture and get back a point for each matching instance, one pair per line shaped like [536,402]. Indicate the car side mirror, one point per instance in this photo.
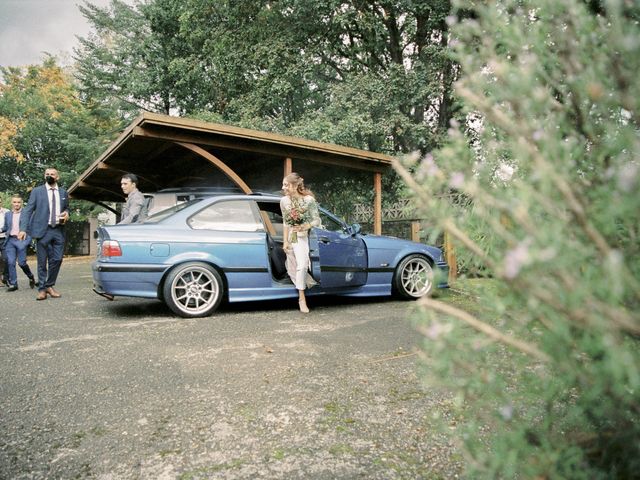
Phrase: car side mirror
[355,229]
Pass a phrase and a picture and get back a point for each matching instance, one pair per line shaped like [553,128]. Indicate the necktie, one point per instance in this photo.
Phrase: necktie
[52,217]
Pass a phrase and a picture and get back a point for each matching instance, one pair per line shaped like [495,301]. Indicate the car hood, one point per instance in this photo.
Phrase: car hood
[385,242]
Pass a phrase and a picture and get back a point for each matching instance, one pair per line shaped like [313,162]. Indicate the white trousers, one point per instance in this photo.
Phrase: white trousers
[298,262]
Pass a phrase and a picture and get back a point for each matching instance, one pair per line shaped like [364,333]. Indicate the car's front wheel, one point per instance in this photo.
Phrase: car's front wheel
[193,290]
[413,278]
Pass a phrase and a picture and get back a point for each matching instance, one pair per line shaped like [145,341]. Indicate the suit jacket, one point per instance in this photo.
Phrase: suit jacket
[3,222]
[8,222]
[35,215]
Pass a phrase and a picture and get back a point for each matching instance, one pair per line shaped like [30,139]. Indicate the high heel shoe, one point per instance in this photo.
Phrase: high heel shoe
[303,307]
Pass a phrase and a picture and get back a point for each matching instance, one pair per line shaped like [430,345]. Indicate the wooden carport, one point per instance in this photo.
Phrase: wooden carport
[165,152]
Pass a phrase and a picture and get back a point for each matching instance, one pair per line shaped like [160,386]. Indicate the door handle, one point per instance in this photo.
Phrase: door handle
[324,239]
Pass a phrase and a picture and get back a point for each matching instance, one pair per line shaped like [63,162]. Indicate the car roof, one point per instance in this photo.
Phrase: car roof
[208,192]
[244,196]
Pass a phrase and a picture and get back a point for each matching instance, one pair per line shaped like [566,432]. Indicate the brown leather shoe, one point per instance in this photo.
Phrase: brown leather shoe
[42,295]
[52,293]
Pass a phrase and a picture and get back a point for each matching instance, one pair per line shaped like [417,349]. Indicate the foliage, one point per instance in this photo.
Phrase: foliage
[364,74]
[133,57]
[45,123]
[548,369]
[373,75]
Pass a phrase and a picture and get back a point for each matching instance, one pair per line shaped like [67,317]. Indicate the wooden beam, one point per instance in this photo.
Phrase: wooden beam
[288,166]
[106,166]
[377,203]
[154,120]
[450,257]
[415,230]
[91,186]
[266,149]
[233,176]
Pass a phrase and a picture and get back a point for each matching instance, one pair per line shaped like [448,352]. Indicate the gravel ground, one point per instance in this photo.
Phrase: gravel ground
[125,390]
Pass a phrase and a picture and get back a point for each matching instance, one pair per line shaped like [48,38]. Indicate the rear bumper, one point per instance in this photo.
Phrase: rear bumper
[127,280]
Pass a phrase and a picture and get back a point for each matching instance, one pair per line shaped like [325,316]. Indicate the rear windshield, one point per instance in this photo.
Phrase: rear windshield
[161,215]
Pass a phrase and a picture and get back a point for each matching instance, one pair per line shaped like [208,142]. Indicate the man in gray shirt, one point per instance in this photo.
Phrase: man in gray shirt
[134,210]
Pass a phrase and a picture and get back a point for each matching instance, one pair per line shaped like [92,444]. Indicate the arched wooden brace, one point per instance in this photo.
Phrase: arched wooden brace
[233,176]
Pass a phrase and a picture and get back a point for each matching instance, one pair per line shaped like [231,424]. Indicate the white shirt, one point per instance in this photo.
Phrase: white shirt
[57,194]
[15,226]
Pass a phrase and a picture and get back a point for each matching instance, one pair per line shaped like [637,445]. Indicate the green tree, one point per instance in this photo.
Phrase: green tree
[363,74]
[369,74]
[546,368]
[45,123]
[372,75]
[133,56]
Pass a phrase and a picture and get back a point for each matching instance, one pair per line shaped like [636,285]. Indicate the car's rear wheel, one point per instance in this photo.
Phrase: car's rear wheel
[193,290]
[413,278]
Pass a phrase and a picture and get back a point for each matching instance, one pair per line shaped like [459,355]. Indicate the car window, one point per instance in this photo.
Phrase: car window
[329,223]
[169,211]
[231,216]
[272,211]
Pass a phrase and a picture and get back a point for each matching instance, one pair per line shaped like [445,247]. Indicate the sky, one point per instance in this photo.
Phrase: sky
[29,28]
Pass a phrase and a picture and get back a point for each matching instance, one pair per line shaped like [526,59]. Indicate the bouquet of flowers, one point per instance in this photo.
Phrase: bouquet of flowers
[298,214]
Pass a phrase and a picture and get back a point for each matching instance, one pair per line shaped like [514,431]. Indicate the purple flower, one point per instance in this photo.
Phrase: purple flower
[457,180]
[628,177]
[506,412]
[516,258]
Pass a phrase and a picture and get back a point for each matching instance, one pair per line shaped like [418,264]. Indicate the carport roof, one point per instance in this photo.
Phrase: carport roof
[153,148]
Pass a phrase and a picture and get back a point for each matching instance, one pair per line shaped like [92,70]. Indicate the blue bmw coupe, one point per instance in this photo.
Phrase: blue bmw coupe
[195,254]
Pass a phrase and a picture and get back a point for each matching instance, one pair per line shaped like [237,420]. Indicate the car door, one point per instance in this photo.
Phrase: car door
[230,234]
[338,255]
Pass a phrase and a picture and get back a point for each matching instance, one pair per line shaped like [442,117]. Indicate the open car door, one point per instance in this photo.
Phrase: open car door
[338,255]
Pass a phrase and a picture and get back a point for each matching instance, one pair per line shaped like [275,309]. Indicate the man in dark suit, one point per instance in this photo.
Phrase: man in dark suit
[16,250]
[43,219]
[4,266]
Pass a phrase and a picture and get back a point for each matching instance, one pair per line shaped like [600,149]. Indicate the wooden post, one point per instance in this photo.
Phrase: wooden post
[377,203]
[415,230]
[450,257]
[288,166]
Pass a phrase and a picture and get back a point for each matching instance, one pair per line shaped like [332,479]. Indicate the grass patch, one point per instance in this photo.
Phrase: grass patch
[167,452]
[279,454]
[337,416]
[247,412]
[206,472]
[341,449]
[98,431]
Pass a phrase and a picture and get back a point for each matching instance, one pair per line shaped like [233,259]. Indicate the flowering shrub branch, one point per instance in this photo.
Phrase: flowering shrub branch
[539,188]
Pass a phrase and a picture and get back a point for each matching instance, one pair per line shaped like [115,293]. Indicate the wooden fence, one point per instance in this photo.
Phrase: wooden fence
[402,220]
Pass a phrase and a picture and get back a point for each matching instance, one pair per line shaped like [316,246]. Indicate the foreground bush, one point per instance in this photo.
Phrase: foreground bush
[542,178]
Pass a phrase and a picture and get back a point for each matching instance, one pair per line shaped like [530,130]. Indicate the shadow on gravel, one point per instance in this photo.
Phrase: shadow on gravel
[127,308]
[292,303]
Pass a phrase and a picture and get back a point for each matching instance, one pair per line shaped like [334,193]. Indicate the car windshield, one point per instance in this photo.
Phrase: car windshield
[161,215]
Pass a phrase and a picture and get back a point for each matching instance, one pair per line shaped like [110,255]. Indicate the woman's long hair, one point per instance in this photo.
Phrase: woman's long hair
[295,179]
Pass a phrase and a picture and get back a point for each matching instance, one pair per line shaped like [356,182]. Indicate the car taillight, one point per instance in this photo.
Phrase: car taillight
[110,248]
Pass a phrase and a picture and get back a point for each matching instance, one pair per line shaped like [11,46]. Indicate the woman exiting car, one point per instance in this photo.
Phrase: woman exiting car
[299,214]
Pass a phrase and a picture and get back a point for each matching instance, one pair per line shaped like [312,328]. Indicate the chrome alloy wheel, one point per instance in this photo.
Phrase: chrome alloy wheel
[193,290]
[414,277]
